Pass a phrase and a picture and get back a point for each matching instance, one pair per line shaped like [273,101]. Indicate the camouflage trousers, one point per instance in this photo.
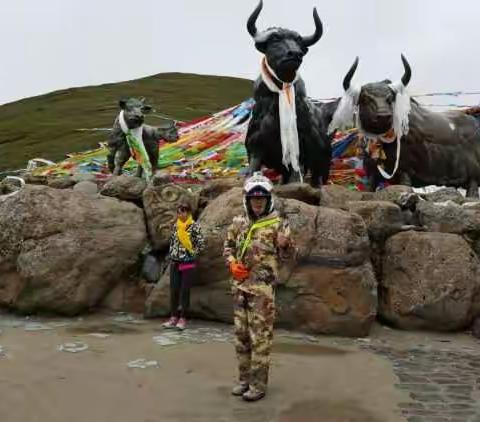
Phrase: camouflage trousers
[254,316]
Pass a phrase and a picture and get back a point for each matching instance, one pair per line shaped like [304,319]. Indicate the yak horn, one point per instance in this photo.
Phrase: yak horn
[308,41]
[251,27]
[408,72]
[349,75]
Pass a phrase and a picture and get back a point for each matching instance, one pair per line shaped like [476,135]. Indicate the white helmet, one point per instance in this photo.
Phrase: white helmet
[258,186]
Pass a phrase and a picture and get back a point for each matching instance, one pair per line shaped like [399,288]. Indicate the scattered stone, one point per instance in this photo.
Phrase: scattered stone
[73,347]
[99,335]
[143,364]
[37,326]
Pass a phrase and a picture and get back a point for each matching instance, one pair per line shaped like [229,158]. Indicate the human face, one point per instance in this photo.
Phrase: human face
[258,204]
[182,213]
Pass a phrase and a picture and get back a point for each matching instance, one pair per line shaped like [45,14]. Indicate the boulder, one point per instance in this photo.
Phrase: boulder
[444,195]
[449,217]
[89,188]
[476,327]
[329,300]
[35,180]
[65,182]
[391,193]
[429,281]
[300,191]
[336,196]
[84,177]
[8,187]
[382,218]
[62,251]
[127,188]
[161,178]
[214,188]
[330,288]
[127,296]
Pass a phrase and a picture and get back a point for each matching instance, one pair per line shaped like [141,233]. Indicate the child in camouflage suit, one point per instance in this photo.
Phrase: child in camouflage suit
[254,245]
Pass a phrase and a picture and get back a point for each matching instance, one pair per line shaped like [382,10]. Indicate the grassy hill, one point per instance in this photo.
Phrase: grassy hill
[47,126]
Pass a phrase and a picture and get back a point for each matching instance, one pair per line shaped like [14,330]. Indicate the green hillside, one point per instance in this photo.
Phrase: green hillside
[47,126]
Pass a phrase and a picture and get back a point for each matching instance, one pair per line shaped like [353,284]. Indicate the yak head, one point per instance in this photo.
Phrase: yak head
[168,131]
[284,49]
[376,101]
[134,111]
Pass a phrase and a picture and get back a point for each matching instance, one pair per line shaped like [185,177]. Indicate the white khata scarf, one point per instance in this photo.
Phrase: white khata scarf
[288,116]
[347,113]
[136,145]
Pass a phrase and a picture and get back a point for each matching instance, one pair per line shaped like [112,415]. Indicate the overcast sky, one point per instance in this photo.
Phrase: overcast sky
[54,44]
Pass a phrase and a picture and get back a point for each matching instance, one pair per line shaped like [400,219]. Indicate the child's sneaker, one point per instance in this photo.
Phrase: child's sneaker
[171,323]
[181,324]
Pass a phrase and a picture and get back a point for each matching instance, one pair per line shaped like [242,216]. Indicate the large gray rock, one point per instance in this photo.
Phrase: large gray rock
[336,196]
[302,192]
[61,182]
[382,218]
[127,188]
[445,194]
[390,193]
[63,251]
[330,288]
[429,281]
[88,188]
[449,217]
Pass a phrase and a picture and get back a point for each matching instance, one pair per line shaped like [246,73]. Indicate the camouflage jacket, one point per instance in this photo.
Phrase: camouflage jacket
[262,256]
[178,253]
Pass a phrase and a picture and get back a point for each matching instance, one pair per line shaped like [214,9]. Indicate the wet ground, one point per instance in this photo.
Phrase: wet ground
[120,367]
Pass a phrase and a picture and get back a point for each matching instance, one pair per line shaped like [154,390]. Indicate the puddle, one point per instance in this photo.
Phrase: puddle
[102,328]
[306,349]
[325,411]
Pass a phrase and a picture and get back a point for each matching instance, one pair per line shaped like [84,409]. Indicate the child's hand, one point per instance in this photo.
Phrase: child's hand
[282,240]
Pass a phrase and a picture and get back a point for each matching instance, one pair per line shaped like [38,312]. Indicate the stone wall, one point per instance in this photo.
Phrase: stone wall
[406,259]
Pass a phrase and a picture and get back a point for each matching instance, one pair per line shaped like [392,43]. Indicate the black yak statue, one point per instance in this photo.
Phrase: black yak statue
[285,132]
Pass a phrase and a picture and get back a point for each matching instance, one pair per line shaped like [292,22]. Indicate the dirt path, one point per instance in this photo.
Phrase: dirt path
[313,379]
